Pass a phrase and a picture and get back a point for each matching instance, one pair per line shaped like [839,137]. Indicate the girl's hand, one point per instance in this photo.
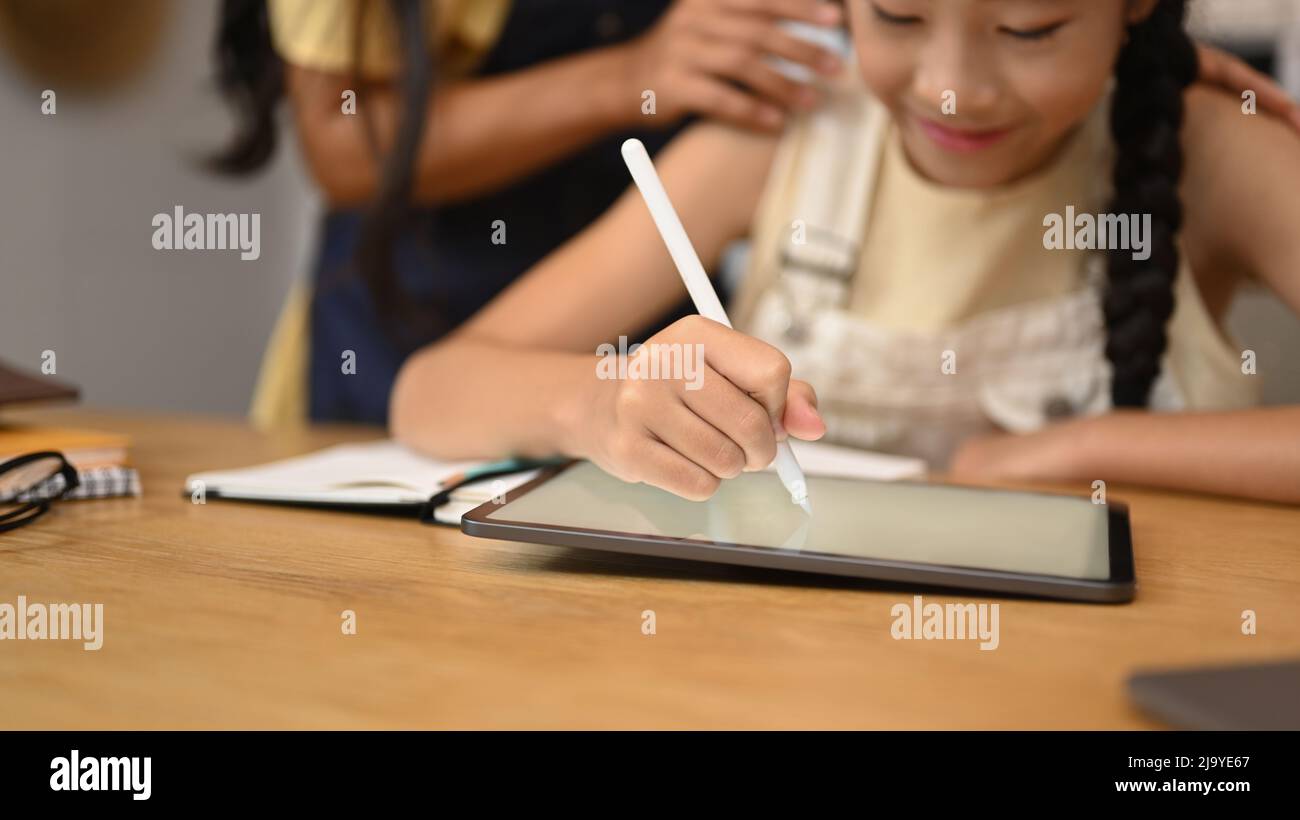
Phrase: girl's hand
[1230,73]
[1054,452]
[696,54]
[684,432]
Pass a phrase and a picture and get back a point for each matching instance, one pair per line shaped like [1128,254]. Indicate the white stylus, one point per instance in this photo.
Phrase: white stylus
[698,285]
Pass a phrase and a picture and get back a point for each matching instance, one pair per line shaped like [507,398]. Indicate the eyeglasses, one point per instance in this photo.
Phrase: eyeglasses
[30,484]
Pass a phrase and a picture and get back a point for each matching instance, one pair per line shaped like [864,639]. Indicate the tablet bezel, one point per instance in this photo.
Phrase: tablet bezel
[1120,587]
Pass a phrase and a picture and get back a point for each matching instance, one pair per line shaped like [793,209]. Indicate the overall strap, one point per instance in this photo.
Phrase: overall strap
[834,182]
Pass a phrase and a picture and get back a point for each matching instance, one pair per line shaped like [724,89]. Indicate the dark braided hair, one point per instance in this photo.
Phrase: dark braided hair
[390,212]
[1155,66]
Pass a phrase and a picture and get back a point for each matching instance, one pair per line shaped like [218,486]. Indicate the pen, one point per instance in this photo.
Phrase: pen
[495,469]
[700,288]
[481,472]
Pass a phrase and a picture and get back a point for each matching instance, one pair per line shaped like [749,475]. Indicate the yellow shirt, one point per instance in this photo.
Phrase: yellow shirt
[322,34]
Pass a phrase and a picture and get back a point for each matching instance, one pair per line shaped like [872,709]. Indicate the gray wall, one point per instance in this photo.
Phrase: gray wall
[133,326]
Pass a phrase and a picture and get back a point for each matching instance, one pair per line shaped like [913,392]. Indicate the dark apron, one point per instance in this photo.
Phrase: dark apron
[446,263]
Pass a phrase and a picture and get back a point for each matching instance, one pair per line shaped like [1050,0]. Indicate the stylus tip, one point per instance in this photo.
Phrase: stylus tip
[806,506]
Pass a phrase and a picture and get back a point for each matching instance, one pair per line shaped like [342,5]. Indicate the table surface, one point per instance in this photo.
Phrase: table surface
[229,615]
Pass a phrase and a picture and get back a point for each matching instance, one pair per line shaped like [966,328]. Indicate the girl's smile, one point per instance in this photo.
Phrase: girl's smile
[1021,75]
[960,140]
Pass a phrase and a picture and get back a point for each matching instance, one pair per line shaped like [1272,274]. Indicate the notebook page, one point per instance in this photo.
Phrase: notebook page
[373,472]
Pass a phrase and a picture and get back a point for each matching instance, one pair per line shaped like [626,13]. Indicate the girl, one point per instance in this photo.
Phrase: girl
[904,259]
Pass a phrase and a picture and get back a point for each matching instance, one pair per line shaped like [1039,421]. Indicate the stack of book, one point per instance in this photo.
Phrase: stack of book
[101,459]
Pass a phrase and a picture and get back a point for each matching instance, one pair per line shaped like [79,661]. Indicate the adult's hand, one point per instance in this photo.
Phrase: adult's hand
[711,57]
[1219,68]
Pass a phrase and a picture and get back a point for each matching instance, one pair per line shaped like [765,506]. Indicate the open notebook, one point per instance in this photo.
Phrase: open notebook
[384,475]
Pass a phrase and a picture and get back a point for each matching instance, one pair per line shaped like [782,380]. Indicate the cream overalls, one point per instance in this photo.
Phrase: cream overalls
[923,315]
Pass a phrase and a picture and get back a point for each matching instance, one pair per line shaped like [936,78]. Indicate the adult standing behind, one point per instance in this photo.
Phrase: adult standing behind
[481,134]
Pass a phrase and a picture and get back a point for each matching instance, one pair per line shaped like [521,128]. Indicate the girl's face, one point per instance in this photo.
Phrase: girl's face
[985,91]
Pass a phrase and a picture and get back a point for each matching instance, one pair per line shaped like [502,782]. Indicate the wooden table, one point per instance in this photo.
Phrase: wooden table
[229,615]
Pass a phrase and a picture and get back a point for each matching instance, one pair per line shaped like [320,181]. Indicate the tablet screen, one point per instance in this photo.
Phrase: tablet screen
[919,523]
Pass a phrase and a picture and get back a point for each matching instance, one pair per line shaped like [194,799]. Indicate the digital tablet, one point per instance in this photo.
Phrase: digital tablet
[914,533]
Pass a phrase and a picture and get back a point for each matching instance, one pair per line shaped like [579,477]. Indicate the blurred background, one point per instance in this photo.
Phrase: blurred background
[133,326]
[136,112]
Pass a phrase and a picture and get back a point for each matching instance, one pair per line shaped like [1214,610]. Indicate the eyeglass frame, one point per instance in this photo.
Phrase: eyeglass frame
[35,509]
